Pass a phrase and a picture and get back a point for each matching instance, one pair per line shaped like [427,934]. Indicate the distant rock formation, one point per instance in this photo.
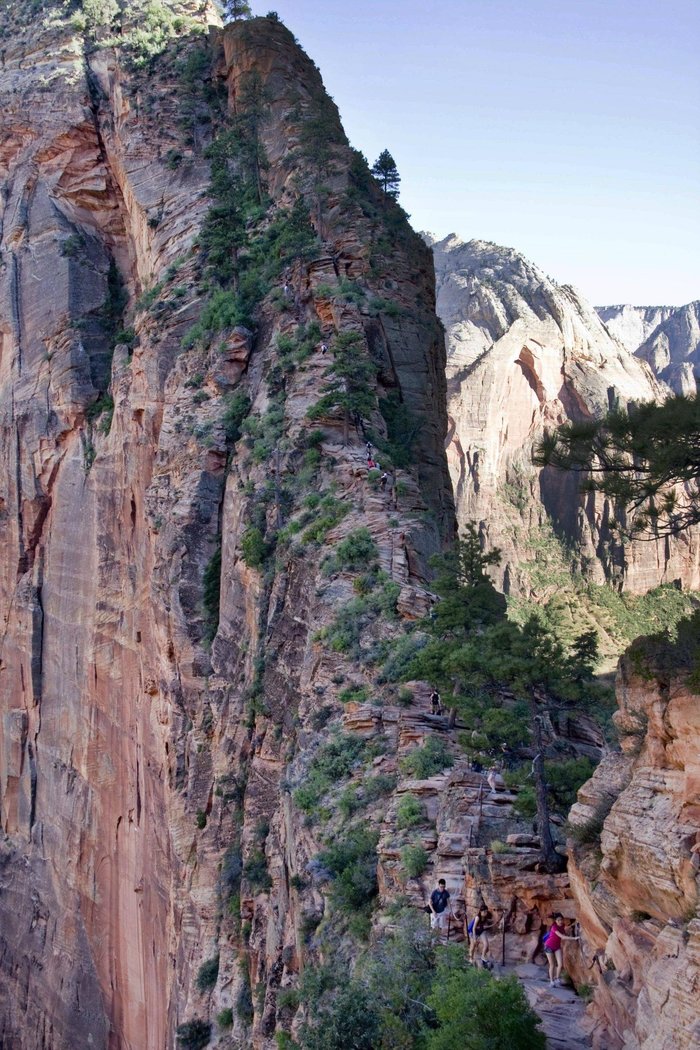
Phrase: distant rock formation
[632,325]
[524,353]
[669,343]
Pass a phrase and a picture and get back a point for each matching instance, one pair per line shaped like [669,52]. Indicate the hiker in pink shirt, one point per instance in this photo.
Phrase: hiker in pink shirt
[553,950]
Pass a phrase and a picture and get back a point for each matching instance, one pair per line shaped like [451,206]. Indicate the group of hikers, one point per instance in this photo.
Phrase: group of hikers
[477,931]
[373,464]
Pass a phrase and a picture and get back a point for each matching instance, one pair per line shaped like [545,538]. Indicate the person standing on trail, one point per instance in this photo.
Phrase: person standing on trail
[435,703]
[383,480]
[553,949]
[324,348]
[439,905]
[480,939]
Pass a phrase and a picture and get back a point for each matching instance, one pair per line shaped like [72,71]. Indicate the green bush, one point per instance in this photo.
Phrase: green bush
[414,860]
[211,595]
[352,862]
[224,1019]
[427,760]
[357,694]
[207,974]
[356,551]
[256,872]
[332,763]
[475,1011]
[201,819]
[194,1034]
[254,549]
[236,408]
[288,999]
[409,812]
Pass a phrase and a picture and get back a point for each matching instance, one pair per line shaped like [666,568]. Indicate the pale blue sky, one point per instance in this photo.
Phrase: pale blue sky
[569,131]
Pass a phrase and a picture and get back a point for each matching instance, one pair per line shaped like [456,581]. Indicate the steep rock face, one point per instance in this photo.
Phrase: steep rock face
[673,349]
[632,325]
[637,890]
[132,756]
[525,354]
[666,337]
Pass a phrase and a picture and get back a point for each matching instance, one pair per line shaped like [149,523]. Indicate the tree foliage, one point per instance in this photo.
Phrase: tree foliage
[349,381]
[646,460]
[476,1012]
[236,9]
[385,171]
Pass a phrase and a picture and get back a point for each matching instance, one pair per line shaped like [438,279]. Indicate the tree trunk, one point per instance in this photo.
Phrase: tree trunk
[553,861]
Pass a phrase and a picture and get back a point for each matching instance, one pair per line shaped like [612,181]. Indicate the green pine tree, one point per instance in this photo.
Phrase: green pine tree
[385,171]
[236,9]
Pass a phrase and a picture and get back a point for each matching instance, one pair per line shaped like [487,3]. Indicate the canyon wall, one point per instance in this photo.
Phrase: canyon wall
[635,876]
[134,755]
[667,338]
[524,354]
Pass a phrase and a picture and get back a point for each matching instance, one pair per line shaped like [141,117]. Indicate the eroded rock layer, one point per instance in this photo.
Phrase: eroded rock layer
[133,755]
[635,875]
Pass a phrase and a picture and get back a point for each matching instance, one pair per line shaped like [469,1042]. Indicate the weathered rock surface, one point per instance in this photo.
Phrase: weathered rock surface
[632,325]
[134,760]
[523,354]
[637,889]
[667,338]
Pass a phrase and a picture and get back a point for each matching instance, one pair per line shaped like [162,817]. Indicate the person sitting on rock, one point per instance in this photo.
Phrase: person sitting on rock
[435,703]
[439,905]
[553,949]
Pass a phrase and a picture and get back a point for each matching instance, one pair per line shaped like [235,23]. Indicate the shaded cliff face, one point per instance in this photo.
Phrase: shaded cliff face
[634,875]
[667,338]
[134,757]
[525,354]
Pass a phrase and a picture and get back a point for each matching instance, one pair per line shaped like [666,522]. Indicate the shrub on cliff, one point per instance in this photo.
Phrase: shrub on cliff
[427,760]
[352,864]
[207,974]
[194,1034]
[477,1012]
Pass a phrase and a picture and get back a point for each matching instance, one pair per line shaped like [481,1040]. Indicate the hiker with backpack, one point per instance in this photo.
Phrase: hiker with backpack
[478,936]
[435,703]
[553,949]
[439,907]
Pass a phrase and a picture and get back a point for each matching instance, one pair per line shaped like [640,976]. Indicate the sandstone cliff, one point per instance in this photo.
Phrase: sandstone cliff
[161,585]
[667,338]
[524,353]
[632,325]
[634,875]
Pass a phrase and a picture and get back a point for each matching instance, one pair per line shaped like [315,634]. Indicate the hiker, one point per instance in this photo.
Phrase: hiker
[370,464]
[508,757]
[383,480]
[553,949]
[435,703]
[439,904]
[324,348]
[369,449]
[479,938]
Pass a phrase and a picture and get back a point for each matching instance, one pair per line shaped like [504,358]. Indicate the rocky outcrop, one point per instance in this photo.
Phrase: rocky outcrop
[634,874]
[147,826]
[667,338]
[523,354]
[632,325]
[673,349]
